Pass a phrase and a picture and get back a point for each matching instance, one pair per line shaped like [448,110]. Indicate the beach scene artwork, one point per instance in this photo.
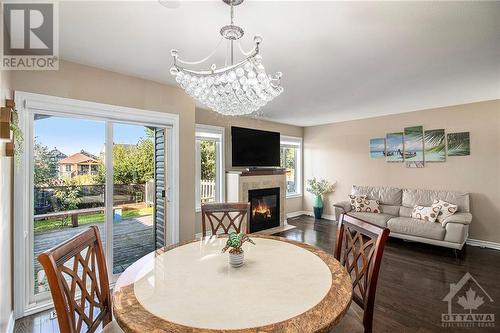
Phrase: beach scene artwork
[458,144]
[394,150]
[434,146]
[414,147]
[377,148]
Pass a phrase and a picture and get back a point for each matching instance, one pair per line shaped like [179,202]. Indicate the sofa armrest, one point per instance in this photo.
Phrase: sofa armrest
[461,217]
[341,207]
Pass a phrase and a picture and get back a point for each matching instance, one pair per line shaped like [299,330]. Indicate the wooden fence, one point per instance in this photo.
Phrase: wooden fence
[207,190]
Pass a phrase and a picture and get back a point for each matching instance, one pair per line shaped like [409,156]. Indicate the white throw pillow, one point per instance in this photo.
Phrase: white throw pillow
[367,205]
[428,214]
[355,198]
[446,209]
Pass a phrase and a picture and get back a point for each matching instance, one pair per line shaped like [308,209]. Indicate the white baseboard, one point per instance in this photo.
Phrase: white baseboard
[10,325]
[308,213]
[296,214]
[482,243]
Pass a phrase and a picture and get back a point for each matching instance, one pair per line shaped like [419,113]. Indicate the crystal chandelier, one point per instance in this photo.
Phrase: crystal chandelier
[235,89]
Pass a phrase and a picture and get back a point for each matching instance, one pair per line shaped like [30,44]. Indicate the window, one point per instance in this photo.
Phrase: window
[68,167]
[209,164]
[291,159]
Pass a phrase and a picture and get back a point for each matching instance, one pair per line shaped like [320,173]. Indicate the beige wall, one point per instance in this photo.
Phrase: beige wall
[6,165]
[207,117]
[339,152]
[92,84]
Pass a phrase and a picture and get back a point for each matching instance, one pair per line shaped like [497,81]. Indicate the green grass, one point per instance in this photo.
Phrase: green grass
[55,223]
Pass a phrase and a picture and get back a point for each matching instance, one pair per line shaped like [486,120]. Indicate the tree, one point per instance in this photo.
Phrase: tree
[68,198]
[132,164]
[207,152]
[288,158]
[45,167]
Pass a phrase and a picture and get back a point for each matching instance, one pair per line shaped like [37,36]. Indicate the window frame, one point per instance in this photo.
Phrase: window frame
[216,133]
[28,105]
[296,143]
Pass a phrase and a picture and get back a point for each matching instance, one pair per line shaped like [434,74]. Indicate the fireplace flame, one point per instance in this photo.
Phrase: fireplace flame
[261,208]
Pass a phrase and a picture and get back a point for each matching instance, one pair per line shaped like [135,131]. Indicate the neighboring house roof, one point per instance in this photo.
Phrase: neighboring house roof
[77,159]
[92,156]
[57,153]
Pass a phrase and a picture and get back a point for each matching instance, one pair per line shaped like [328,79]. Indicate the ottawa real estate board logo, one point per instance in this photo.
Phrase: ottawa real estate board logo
[467,301]
[29,36]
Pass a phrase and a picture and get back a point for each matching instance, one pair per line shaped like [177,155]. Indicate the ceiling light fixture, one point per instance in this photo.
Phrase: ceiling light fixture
[235,89]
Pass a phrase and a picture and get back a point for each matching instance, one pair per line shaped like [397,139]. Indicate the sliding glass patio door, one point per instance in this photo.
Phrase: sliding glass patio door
[90,170]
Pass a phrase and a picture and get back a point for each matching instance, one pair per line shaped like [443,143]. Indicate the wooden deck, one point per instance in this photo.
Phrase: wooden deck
[133,238]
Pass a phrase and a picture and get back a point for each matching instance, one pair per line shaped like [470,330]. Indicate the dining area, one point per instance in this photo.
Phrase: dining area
[229,280]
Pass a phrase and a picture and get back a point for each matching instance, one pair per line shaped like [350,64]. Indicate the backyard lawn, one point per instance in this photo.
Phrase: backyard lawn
[56,223]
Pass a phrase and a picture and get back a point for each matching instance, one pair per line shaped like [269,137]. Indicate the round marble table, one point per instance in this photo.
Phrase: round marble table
[284,286]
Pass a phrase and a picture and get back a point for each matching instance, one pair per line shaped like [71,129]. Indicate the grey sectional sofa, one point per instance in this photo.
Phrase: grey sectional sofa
[396,205]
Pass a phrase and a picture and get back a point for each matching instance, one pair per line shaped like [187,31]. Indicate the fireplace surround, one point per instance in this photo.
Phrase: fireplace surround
[240,183]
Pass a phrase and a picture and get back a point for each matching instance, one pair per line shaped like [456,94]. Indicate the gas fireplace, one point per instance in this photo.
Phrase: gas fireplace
[264,208]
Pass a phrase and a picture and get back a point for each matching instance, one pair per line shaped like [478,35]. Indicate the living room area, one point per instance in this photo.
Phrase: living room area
[155,176]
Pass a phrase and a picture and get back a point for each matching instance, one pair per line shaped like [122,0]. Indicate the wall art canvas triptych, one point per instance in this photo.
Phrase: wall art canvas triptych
[395,147]
[435,146]
[377,147]
[458,144]
[414,146]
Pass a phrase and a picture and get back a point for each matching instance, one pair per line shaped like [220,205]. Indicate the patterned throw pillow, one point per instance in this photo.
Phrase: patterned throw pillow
[367,205]
[428,214]
[446,209]
[356,198]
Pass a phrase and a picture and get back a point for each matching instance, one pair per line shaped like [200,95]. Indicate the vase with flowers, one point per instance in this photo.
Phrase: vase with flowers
[318,187]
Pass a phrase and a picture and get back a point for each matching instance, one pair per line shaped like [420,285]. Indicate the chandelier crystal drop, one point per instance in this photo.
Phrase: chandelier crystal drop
[236,89]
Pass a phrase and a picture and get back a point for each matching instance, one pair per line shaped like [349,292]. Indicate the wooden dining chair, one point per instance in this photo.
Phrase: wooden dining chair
[359,249]
[78,280]
[225,217]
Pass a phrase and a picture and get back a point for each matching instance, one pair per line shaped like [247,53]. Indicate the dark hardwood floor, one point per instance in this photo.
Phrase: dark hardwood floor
[413,281]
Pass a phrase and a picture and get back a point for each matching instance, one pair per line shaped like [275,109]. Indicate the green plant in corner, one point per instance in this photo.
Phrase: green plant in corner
[18,137]
[235,241]
[318,188]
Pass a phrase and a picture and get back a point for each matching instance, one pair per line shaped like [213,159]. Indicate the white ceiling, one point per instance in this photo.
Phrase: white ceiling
[340,60]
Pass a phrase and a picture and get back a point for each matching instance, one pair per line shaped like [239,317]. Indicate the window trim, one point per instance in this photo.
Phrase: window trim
[297,143]
[216,133]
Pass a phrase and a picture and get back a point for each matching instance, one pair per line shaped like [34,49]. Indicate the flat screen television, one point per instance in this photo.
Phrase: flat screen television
[255,148]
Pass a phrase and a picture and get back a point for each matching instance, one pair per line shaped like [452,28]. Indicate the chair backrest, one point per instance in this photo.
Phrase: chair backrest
[359,249]
[78,280]
[225,216]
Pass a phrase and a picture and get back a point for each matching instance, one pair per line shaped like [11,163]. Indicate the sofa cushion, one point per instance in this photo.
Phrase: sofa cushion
[428,214]
[385,195]
[446,209]
[415,227]
[377,219]
[354,199]
[367,205]
[412,197]
[391,210]
[405,211]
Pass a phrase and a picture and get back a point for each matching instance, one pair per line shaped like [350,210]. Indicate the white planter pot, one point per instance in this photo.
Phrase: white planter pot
[236,259]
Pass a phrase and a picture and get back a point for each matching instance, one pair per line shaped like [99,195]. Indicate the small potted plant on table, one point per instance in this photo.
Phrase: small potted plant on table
[234,243]
[318,188]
